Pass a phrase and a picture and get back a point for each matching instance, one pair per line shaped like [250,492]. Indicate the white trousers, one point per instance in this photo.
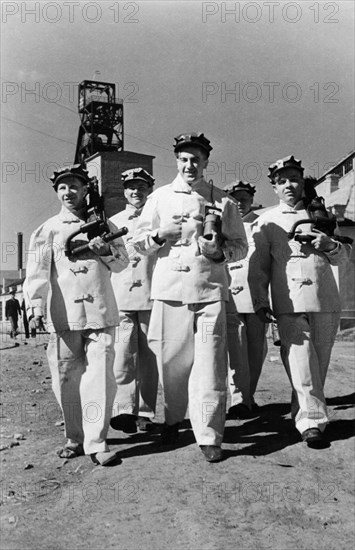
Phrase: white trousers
[135,366]
[247,348]
[81,364]
[306,344]
[190,345]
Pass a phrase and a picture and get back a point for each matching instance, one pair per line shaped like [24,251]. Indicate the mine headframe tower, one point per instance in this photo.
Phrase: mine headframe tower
[101,119]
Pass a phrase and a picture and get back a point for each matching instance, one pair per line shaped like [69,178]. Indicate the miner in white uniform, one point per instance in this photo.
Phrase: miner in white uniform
[190,289]
[304,294]
[247,344]
[135,365]
[81,316]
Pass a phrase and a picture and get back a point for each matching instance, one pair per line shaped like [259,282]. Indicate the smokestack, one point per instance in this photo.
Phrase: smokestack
[19,253]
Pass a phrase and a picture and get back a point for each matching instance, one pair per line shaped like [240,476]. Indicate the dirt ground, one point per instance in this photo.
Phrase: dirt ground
[271,491]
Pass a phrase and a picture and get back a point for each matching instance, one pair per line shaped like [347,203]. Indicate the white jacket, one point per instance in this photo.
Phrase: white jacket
[239,273]
[132,285]
[301,277]
[182,273]
[79,291]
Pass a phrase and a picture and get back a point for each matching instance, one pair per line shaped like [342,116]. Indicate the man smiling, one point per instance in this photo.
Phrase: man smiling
[135,366]
[82,316]
[191,164]
[187,329]
[304,294]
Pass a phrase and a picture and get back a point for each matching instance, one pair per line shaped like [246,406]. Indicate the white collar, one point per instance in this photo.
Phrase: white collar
[286,208]
[201,187]
[69,217]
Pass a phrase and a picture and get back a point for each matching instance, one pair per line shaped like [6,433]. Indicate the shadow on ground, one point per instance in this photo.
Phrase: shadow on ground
[149,442]
[267,433]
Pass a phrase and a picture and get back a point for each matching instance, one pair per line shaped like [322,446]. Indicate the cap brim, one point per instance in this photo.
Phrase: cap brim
[127,182]
[69,175]
[191,144]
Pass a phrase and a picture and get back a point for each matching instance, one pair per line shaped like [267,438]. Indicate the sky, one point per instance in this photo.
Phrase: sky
[262,80]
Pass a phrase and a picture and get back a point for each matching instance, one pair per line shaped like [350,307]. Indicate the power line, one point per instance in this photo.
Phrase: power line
[38,131]
[42,97]
[76,112]
[150,142]
[24,229]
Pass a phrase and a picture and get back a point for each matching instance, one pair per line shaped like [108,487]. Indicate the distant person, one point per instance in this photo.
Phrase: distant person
[40,325]
[82,316]
[247,343]
[33,327]
[135,365]
[12,313]
[304,294]
[187,328]
[24,319]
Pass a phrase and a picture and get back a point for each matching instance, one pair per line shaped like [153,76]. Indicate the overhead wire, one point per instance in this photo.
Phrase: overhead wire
[28,127]
[75,112]
[71,142]
[38,131]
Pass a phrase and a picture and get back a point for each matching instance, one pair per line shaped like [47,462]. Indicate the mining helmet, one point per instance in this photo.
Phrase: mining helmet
[239,186]
[287,162]
[194,139]
[75,171]
[134,174]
